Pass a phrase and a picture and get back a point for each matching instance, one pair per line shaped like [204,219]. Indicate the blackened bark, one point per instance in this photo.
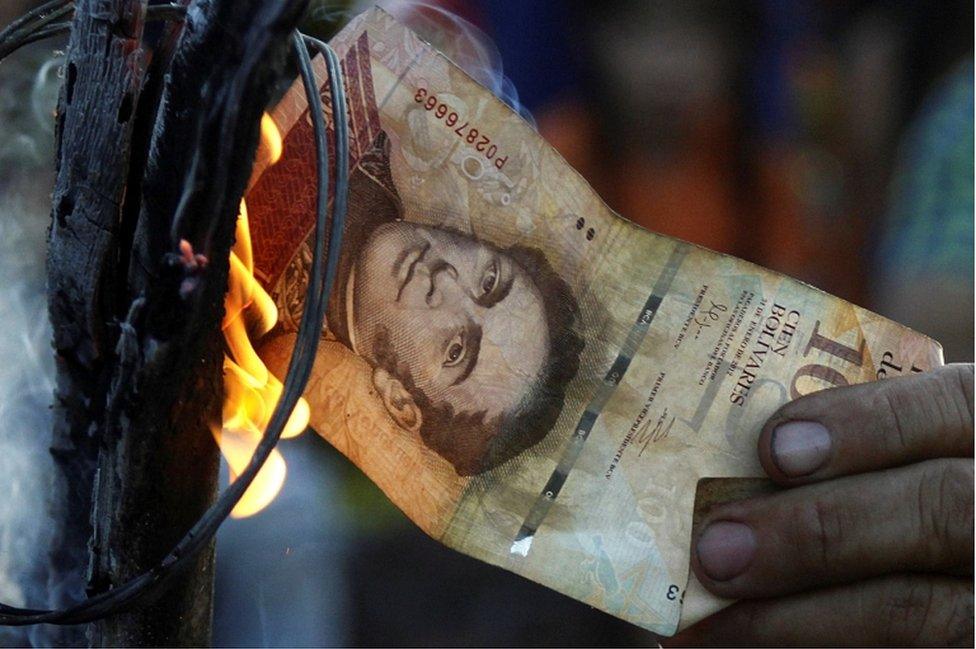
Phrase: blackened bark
[103,71]
[143,165]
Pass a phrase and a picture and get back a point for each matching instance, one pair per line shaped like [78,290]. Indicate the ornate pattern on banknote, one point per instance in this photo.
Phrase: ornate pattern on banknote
[281,204]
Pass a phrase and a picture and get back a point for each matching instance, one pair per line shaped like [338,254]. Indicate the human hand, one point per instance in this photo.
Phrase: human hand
[872,541]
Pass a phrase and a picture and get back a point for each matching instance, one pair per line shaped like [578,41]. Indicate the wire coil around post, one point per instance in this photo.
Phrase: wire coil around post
[325,254]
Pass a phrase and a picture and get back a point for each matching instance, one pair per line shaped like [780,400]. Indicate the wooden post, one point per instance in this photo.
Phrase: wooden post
[149,155]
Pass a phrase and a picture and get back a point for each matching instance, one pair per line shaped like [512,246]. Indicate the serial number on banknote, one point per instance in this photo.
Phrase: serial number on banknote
[450,118]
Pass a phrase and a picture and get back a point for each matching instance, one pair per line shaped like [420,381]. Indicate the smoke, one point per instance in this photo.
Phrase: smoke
[27,473]
[26,386]
[466,45]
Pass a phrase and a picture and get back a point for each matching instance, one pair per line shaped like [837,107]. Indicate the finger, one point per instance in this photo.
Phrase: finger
[917,518]
[907,610]
[873,426]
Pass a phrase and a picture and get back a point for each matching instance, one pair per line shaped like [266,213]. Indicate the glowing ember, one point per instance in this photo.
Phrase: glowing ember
[250,390]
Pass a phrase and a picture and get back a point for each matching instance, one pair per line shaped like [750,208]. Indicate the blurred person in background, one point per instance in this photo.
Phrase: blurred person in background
[922,270]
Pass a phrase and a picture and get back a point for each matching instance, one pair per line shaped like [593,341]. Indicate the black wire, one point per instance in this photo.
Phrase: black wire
[340,115]
[299,369]
[33,26]
[35,15]
[12,40]
[55,29]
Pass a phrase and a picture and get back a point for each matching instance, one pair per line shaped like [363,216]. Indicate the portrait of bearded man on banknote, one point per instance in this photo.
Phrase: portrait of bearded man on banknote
[471,345]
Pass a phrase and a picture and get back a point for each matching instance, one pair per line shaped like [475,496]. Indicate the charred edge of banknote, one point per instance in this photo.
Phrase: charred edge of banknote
[523,539]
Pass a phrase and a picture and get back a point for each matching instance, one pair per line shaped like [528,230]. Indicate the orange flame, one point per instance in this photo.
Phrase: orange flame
[251,392]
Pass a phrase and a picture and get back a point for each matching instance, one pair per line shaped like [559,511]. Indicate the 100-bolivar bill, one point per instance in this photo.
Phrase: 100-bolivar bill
[534,380]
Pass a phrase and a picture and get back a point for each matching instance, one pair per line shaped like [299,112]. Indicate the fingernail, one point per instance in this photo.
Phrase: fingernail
[800,447]
[725,549]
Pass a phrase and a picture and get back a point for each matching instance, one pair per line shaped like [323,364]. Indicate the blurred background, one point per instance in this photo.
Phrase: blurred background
[831,141]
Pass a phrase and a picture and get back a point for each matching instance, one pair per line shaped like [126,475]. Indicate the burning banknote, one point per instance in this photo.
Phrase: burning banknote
[534,380]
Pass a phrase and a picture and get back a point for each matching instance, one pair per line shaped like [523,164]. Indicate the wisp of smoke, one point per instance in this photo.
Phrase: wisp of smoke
[466,45]
[27,471]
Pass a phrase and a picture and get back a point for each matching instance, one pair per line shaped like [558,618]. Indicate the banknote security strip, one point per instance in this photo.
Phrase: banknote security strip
[523,541]
[306,344]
